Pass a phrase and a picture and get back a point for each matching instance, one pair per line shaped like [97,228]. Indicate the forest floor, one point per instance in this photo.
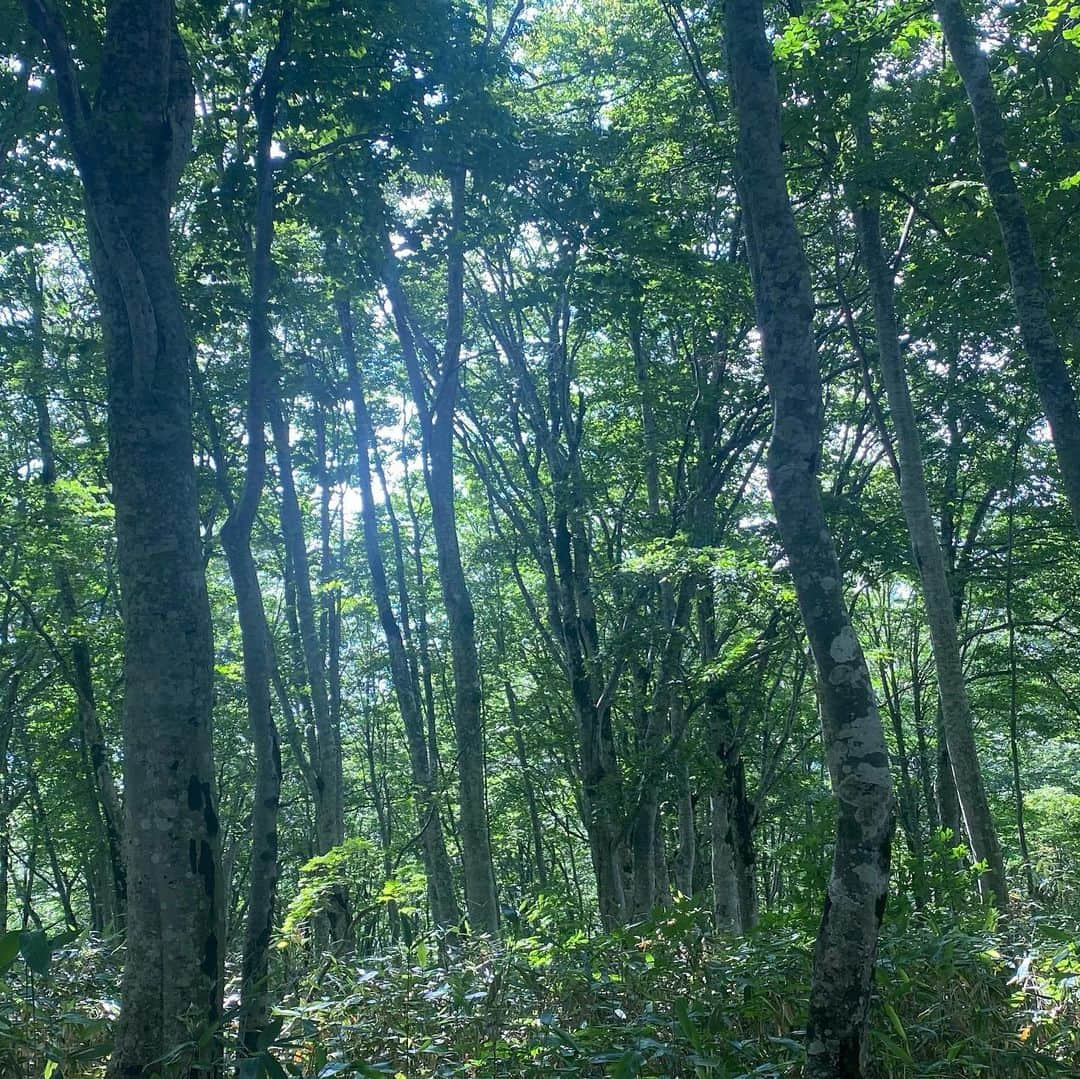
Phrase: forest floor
[956,996]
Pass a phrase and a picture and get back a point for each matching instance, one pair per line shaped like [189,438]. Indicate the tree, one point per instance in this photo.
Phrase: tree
[925,542]
[1045,357]
[854,738]
[131,140]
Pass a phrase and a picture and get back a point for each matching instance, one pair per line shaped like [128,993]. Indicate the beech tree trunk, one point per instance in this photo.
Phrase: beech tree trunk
[927,554]
[329,816]
[468,717]
[735,902]
[251,612]
[686,851]
[437,413]
[1048,367]
[853,735]
[131,139]
[445,910]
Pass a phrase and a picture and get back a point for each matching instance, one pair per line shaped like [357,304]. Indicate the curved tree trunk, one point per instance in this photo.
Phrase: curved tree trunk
[1048,365]
[130,147]
[854,738]
[251,613]
[926,551]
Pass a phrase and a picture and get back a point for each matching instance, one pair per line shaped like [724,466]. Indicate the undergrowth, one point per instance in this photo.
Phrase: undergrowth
[665,998]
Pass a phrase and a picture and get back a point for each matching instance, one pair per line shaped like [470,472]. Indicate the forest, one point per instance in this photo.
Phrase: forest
[539,538]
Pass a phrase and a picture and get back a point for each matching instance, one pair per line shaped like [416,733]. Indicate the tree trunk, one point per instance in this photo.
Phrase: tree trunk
[445,911]
[948,804]
[437,417]
[686,853]
[926,551]
[79,662]
[236,540]
[853,734]
[535,827]
[1014,702]
[741,817]
[1048,367]
[329,818]
[468,715]
[131,140]
[735,901]
[725,895]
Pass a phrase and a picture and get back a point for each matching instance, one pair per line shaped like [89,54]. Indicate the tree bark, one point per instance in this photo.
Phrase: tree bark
[853,734]
[130,147]
[686,852]
[926,549]
[735,902]
[1048,367]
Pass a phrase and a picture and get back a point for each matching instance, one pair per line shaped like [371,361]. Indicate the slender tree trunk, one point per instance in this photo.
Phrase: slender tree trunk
[437,418]
[445,911]
[741,817]
[1014,710]
[1048,367]
[423,637]
[329,595]
[918,718]
[79,659]
[686,854]
[535,827]
[5,868]
[909,809]
[853,735]
[251,612]
[131,140]
[725,896]
[7,798]
[468,717]
[329,818]
[926,550]
[735,900]
[945,796]
[60,882]
[659,736]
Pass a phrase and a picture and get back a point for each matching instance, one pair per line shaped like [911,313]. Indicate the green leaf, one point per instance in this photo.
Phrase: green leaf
[9,948]
[37,951]
[898,1027]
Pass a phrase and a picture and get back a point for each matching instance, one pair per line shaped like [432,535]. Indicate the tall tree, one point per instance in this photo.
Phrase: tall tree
[854,737]
[925,540]
[437,408]
[404,676]
[1048,366]
[236,540]
[131,137]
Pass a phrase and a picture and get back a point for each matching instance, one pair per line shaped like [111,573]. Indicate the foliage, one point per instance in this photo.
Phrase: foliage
[668,997]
